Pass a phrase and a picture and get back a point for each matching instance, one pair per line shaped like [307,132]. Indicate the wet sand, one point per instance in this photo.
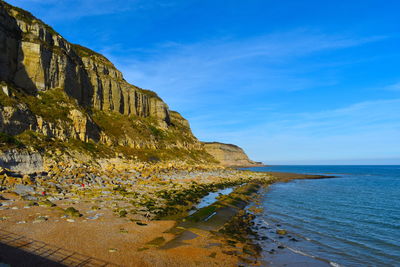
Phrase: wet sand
[107,240]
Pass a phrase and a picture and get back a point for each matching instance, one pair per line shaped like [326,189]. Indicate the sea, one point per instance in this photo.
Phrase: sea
[351,220]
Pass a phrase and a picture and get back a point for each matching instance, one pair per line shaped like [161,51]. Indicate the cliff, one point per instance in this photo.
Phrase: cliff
[58,96]
[229,155]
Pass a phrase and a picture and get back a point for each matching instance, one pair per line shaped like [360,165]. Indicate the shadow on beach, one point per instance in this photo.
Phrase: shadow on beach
[18,250]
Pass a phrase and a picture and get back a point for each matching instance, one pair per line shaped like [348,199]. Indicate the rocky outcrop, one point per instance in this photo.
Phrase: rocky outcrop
[21,160]
[63,91]
[36,58]
[61,98]
[229,155]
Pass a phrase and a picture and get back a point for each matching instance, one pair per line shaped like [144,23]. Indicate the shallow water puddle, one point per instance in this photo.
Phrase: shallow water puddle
[211,198]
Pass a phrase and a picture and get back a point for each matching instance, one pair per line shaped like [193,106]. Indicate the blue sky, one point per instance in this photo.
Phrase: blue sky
[299,82]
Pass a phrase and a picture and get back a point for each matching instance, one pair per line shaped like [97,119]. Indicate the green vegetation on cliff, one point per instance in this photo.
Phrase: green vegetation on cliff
[65,98]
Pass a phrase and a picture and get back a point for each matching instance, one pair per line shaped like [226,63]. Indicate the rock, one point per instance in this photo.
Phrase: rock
[112,250]
[32,203]
[122,213]
[281,232]
[23,189]
[229,155]
[95,217]
[36,59]
[29,198]
[46,203]
[72,212]
[40,219]
[21,160]
[70,220]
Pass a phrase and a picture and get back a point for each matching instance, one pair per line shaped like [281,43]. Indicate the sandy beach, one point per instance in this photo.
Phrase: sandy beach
[40,233]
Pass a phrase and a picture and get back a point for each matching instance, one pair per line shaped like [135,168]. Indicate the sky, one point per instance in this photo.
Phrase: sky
[291,82]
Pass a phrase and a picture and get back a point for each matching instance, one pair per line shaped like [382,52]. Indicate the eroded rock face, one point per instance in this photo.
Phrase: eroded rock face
[21,160]
[16,119]
[34,59]
[229,155]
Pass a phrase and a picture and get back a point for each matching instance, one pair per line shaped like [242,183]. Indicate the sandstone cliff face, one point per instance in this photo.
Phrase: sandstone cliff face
[22,161]
[61,90]
[229,155]
[35,58]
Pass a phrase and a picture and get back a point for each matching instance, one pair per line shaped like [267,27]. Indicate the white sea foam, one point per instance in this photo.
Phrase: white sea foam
[334,264]
[300,252]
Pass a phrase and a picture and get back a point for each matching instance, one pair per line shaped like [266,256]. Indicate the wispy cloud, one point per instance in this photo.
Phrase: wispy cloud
[368,129]
[393,87]
[269,62]
[226,67]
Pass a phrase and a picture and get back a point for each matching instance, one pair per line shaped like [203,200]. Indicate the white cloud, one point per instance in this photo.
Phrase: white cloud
[393,87]
[363,130]
[217,68]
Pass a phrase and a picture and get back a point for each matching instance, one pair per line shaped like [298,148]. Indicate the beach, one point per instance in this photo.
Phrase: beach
[109,227]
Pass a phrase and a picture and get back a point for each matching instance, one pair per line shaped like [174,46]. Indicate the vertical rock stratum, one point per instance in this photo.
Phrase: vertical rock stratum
[59,96]
[230,155]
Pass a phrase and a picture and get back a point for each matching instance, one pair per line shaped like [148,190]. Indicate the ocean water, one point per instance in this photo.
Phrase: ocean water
[352,220]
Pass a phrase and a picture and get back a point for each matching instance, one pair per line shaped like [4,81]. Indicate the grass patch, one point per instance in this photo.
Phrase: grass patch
[51,105]
[10,141]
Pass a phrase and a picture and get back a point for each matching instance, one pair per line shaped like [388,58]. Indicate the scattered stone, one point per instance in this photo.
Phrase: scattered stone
[72,212]
[32,203]
[281,247]
[281,232]
[29,198]
[23,189]
[122,213]
[46,203]
[141,224]
[21,222]
[95,217]
[40,219]
[14,208]
[112,250]
[70,220]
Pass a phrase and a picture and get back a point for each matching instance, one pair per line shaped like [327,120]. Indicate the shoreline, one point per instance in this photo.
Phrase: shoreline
[105,232]
[274,252]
